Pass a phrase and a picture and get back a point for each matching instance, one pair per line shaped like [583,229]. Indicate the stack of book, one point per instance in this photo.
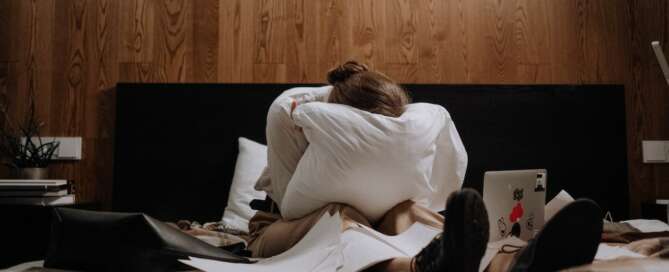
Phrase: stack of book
[42,192]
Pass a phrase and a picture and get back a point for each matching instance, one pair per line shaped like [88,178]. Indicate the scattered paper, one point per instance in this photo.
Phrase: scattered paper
[364,246]
[409,242]
[606,252]
[326,248]
[319,250]
[362,251]
[556,204]
[648,225]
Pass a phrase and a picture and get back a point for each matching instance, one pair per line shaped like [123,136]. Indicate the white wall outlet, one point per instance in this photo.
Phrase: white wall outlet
[68,149]
[655,151]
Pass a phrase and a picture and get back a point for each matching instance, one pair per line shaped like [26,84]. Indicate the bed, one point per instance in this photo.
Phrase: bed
[176,144]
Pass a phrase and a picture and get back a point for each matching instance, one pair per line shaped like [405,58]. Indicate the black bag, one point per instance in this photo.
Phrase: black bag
[107,241]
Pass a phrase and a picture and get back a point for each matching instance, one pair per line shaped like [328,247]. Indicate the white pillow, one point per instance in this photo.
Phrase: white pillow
[369,161]
[251,161]
[450,165]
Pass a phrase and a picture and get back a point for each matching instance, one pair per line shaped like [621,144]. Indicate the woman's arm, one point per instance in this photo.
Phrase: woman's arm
[285,141]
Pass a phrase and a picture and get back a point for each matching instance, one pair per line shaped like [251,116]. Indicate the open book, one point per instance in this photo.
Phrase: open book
[326,248]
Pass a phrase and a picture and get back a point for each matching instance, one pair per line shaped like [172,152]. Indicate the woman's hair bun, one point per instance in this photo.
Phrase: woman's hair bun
[342,72]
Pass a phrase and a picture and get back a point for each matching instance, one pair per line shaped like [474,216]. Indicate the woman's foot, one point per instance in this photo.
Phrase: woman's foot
[569,239]
[464,240]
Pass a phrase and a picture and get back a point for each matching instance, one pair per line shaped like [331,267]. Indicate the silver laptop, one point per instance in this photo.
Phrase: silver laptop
[515,202]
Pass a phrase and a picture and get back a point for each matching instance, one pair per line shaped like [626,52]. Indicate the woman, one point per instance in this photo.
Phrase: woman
[465,236]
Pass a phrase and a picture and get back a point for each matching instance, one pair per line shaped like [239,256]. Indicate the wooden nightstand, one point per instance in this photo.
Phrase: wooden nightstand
[25,231]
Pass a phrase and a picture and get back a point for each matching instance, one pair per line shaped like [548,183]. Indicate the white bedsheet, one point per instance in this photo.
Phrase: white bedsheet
[26,266]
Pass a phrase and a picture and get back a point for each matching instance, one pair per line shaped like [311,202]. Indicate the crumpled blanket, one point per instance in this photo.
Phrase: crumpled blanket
[216,234]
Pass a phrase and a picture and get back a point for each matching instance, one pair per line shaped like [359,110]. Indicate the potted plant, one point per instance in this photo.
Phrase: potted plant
[21,146]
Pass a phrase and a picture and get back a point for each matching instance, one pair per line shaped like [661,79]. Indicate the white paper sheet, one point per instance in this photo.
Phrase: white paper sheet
[648,225]
[361,251]
[606,252]
[365,246]
[556,204]
[325,248]
[319,250]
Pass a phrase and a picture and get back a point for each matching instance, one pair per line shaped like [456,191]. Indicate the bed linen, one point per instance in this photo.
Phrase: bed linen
[631,265]
[251,160]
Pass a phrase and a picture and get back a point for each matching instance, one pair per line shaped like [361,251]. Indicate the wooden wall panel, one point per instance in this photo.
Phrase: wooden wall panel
[236,41]
[270,32]
[138,72]
[331,33]
[534,46]
[367,19]
[205,40]
[301,46]
[136,26]
[174,40]
[4,96]
[6,12]
[402,25]
[73,25]
[454,50]
[4,85]
[72,52]
[33,55]
[647,98]
[103,66]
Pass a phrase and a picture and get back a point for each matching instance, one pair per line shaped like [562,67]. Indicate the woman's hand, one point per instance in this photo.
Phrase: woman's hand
[293,106]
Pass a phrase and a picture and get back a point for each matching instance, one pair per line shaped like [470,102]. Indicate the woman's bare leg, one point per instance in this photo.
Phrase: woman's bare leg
[270,235]
[399,219]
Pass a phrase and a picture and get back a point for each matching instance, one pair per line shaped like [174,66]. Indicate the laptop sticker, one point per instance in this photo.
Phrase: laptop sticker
[501,227]
[541,183]
[516,212]
[530,222]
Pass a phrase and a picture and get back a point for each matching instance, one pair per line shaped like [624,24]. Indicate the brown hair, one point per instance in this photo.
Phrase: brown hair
[356,86]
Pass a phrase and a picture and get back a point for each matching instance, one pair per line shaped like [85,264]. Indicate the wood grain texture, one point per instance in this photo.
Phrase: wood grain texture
[454,50]
[4,87]
[6,11]
[138,72]
[205,40]
[236,37]
[534,46]
[301,44]
[367,27]
[647,98]
[34,56]
[103,65]
[174,46]
[72,52]
[330,34]
[8,87]
[136,26]
[270,32]
[5,97]
[402,21]
[73,26]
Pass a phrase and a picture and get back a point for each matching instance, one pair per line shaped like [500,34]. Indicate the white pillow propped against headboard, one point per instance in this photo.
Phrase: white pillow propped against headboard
[374,162]
[251,161]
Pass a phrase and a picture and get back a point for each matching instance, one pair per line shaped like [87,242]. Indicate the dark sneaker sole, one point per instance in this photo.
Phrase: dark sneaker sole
[466,231]
[569,239]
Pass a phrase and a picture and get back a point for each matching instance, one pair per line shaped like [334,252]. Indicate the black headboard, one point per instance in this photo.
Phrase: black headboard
[176,144]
